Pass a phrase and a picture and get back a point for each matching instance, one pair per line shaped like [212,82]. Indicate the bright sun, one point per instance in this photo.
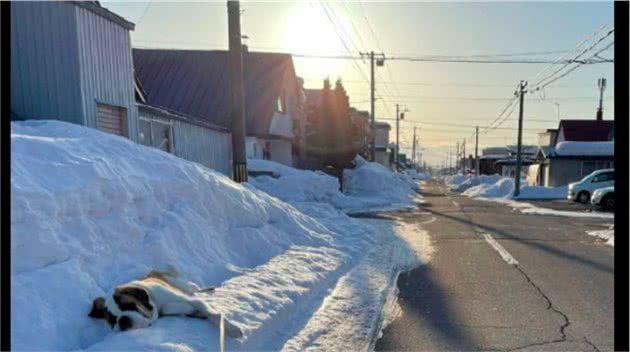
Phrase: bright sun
[310,32]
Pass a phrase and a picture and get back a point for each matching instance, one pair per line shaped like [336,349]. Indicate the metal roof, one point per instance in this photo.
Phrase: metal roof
[196,83]
[586,130]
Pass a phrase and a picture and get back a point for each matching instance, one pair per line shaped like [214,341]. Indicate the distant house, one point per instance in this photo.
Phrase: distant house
[489,157]
[557,167]
[569,162]
[548,137]
[381,143]
[71,61]
[361,122]
[196,83]
[507,166]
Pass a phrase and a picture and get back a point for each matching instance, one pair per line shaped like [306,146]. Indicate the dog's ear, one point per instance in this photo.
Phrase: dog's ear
[98,309]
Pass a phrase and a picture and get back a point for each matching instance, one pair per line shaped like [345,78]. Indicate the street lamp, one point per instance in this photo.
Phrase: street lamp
[558,106]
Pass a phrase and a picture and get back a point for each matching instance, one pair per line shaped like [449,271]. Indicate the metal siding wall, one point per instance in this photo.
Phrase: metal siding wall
[208,147]
[44,62]
[106,67]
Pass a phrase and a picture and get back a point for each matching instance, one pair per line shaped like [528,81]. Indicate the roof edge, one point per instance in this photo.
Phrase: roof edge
[105,13]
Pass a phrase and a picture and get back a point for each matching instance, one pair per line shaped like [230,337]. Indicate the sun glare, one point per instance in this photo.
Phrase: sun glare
[309,32]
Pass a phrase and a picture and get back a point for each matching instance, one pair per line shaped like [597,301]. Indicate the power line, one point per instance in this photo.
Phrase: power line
[569,71]
[550,77]
[455,124]
[578,46]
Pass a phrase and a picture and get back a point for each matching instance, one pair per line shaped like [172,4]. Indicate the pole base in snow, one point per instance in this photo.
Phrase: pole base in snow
[240,172]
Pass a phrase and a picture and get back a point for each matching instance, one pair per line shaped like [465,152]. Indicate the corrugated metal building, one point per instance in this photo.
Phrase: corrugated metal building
[186,137]
[196,83]
[72,61]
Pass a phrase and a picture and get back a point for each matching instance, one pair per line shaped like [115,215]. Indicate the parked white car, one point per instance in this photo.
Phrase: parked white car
[604,197]
[582,190]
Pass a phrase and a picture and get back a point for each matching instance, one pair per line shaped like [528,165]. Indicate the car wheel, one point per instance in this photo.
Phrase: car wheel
[608,203]
[583,197]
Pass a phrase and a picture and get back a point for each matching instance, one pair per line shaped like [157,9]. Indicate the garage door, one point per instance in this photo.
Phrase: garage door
[111,119]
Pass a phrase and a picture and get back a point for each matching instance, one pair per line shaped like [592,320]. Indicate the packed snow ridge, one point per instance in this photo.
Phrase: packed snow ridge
[501,189]
[496,186]
[368,187]
[90,211]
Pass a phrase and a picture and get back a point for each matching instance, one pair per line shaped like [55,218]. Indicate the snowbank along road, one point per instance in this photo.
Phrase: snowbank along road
[503,280]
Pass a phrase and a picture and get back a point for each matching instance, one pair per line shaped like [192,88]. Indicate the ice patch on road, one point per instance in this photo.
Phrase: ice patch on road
[607,235]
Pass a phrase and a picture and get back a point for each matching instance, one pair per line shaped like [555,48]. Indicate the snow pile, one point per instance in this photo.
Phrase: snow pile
[585,148]
[472,181]
[90,211]
[418,176]
[376,186]
[607,235]
[454,180]
[293,185]
[504,188]
[368,187]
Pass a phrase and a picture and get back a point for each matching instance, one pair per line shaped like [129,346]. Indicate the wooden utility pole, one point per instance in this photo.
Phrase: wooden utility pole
[413,149]
[239,156]
[457,157]
[372,112]
[476,151]
[464,158]
[397,134]
[517,181]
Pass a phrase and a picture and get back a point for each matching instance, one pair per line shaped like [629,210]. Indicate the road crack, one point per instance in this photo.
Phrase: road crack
[591,344]
[550,305]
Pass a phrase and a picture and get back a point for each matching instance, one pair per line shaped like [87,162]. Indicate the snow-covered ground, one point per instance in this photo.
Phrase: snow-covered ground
[501,189]
[608,235]
[367,187]
[504,188]
[90,211]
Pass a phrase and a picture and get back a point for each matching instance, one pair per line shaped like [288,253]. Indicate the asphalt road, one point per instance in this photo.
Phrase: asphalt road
[545,285]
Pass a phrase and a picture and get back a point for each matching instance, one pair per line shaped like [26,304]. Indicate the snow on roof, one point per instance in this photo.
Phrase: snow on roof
[585,149]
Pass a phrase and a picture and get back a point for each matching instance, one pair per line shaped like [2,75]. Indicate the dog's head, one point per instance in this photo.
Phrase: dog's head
[128,307]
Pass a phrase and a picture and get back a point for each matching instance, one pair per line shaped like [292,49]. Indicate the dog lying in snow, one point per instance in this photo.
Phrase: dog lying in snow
[139,303]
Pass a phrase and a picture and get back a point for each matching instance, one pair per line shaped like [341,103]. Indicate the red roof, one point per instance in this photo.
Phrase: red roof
[586,130]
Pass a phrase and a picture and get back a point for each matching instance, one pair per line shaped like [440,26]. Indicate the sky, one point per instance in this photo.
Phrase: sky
[445,100]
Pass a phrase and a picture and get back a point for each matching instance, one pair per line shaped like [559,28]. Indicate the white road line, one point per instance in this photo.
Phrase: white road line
[502,252]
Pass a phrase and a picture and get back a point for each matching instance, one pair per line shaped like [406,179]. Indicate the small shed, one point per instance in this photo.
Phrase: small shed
[71,61]
[570,161]
[186,137]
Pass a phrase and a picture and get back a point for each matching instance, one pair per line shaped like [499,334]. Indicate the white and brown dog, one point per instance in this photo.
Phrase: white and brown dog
[139,303]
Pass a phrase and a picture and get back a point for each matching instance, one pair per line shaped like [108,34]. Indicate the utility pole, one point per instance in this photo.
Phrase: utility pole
[517,181]
[476,151]
[379,62]
[239,156]
[400,115]
[372,112]
[464,158]
[457,157]
[413,149]
[601,84]
[397,134]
